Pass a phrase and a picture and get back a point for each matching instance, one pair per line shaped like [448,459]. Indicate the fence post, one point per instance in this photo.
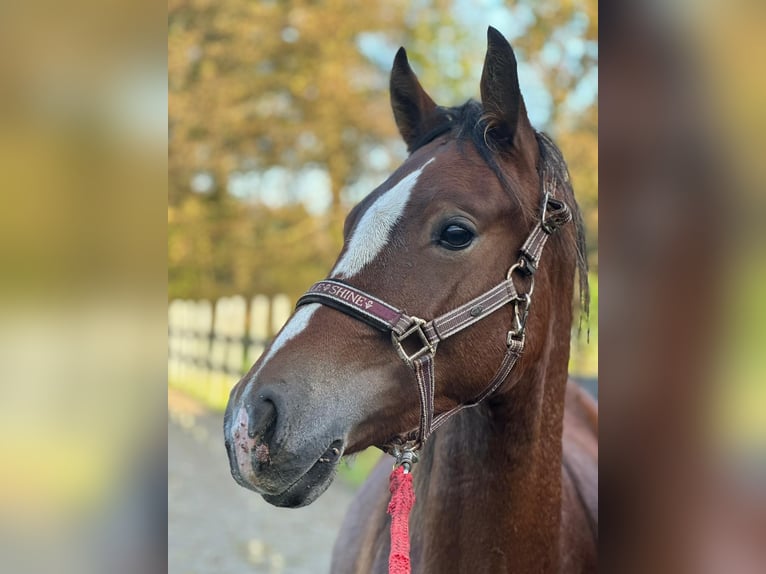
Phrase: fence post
[200,323]
[235,323]
[227,349]
[186,339]
[206,342]
[175,309]
[281,309]
[259,327]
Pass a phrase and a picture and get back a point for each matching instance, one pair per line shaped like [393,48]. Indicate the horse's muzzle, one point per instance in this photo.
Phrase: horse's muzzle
[259,460]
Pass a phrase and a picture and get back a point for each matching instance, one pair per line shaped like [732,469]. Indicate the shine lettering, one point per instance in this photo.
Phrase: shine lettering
[343,293]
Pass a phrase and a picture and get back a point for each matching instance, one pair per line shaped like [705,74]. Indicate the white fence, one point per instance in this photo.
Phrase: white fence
[210,346]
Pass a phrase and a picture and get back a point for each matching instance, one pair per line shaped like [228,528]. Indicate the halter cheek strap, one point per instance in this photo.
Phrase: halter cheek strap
[409,332]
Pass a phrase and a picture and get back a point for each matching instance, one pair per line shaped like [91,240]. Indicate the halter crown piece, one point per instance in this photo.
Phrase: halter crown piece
[425,336]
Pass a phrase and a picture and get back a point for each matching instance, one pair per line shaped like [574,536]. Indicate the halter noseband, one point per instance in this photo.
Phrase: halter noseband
[427,335]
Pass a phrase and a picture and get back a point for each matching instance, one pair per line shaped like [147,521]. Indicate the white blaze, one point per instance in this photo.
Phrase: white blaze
[371,233]
[297,323]
[369,238]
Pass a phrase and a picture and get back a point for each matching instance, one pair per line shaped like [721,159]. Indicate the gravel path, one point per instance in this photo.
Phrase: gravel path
[218,527]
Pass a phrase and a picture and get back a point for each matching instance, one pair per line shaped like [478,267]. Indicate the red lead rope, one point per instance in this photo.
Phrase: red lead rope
[402,500]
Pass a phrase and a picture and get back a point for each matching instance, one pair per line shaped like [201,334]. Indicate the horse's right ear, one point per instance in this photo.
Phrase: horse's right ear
[504,109]
[411,104]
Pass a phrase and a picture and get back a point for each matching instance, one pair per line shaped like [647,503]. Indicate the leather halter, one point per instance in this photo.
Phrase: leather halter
[412,330]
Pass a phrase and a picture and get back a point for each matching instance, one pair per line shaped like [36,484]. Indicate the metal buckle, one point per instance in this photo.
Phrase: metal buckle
[406,458]
[547,228]
[520,313]
[416,328]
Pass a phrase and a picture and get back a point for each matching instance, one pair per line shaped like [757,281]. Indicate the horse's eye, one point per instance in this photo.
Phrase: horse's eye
[456,236]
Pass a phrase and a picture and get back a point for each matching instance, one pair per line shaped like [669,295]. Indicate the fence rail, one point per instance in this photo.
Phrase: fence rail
[211,345]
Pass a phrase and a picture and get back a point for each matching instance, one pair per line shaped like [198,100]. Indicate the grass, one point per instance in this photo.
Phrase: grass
[212,393]
[355,469]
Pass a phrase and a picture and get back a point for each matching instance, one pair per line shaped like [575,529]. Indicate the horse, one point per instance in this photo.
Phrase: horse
[457,233]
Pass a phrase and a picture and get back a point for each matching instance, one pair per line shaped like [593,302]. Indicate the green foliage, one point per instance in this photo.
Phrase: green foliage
[583,359]
[356,468]
[255,84]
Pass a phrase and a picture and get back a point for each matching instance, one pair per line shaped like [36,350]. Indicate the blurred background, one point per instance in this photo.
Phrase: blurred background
[83,175]
[279,123]
[682,372]
[86,181]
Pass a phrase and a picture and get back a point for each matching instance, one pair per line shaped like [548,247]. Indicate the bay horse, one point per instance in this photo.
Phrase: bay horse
[456,233]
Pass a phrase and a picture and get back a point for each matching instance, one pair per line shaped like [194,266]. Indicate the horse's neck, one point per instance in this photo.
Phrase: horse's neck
[492,479]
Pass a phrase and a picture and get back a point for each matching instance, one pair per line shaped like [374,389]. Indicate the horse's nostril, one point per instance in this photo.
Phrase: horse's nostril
[262,417]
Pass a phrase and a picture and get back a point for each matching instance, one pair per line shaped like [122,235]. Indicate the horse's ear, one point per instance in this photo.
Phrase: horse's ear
[411,104]
[504,110]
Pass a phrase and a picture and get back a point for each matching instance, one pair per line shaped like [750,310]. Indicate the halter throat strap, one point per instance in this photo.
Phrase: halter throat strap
[416,340]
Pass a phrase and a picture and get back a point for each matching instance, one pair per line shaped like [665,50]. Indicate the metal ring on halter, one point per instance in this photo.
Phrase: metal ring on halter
[416,328]
[544,206]
[520,265]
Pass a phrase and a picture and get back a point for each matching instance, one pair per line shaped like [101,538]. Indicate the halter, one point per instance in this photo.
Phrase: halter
[413,332]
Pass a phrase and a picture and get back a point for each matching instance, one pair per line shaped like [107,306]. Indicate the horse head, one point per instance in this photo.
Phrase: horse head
[443,228]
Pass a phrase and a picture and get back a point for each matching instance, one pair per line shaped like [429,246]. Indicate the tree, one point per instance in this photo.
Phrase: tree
[258,85]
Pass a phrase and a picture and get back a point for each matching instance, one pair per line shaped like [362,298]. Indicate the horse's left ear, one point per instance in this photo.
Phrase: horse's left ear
[412,106]
[501,98]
